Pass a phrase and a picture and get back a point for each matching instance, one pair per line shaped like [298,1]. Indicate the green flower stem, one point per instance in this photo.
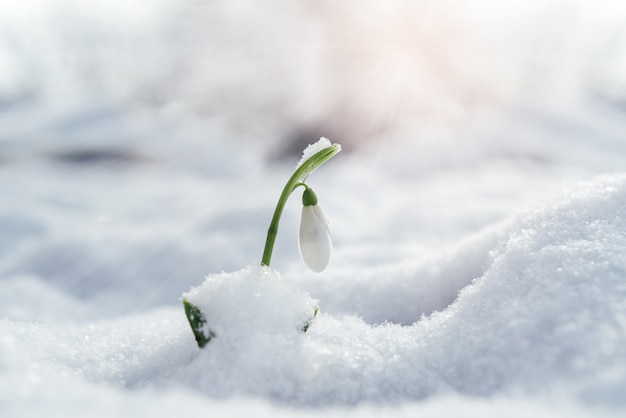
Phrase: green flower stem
[296,180]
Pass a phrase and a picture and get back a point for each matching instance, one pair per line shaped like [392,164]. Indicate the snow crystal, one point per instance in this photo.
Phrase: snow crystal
[313,149]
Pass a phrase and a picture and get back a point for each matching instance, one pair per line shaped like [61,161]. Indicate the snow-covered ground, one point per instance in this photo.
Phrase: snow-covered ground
[478,209]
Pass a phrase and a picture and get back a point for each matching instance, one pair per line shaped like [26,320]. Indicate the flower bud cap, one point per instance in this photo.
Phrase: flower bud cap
[308,197]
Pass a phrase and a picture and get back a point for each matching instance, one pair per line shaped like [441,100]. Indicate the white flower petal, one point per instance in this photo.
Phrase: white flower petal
[314,242]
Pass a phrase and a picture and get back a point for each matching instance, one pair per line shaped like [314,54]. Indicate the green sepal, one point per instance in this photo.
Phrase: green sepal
[309,198]
[197,321]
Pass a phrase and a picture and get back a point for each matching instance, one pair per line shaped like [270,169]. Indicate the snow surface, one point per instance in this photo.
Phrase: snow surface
[478,212]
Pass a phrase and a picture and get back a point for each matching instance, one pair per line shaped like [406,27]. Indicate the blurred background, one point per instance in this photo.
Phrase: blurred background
[287,71]
[145,141]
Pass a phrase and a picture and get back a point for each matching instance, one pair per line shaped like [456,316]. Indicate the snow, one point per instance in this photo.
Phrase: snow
[313,149]
[478,210]
[255,300]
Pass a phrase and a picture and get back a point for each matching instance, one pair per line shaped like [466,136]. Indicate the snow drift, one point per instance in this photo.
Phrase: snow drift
[544,318]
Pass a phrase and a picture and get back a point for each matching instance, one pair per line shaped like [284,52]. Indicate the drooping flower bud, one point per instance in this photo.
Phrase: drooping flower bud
[314,241]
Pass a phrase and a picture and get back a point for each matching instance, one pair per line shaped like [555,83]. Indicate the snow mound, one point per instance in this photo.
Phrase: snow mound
[547,315]
[252,301]
[255,319]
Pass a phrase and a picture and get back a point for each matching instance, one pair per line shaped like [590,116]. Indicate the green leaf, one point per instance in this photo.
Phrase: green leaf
[197,321]
[306,326]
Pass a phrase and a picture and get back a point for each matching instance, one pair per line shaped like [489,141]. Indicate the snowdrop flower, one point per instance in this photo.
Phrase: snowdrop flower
[314,244]
[314,241]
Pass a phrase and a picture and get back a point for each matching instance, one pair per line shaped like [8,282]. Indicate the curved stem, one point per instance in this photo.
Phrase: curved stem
[294,181]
